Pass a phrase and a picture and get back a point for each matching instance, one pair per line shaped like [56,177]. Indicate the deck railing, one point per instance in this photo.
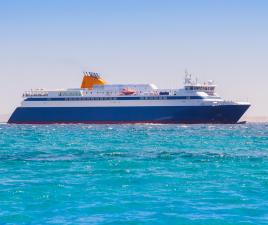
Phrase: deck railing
[33,93]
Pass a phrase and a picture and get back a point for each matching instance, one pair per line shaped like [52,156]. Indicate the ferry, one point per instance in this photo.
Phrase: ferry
[97,102]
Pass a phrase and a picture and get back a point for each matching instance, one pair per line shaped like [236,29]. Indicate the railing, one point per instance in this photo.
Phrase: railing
[35,93]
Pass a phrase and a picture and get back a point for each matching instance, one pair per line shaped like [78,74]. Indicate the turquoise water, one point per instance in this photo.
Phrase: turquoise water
[134,174]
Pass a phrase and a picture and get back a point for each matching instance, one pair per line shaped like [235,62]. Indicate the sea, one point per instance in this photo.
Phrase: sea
[134,174]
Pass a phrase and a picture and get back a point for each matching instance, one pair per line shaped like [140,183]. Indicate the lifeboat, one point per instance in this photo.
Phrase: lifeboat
[127,91]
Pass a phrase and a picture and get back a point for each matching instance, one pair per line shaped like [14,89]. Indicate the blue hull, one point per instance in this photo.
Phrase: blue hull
[158,114]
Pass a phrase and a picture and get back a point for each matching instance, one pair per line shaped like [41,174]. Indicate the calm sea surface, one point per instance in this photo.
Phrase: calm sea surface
[134,174]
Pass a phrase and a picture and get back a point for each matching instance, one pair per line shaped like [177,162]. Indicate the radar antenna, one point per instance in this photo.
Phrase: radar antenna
[188,78]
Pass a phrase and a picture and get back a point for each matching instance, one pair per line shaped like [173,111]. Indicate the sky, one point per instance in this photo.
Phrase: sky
[48,44]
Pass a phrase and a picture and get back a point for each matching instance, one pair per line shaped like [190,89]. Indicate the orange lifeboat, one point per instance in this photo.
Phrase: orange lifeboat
[127,91]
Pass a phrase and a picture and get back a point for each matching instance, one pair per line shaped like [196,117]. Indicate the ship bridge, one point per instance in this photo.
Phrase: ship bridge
[193,85]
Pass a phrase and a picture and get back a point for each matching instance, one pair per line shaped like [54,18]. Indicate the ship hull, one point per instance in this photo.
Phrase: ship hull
[220,114]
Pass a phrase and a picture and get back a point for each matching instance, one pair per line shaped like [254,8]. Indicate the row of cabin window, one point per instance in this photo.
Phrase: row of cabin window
[89,99]
[70,94]
[30,95]
[107,98]
[154,98]
[200,88]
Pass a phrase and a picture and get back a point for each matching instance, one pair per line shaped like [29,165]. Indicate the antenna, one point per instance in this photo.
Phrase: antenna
[188,78]
[186,73]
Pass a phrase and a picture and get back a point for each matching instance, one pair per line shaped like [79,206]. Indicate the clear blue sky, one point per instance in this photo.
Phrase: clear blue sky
[49,43]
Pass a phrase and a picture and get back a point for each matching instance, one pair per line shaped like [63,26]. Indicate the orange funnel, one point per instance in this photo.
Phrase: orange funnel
[90,80]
